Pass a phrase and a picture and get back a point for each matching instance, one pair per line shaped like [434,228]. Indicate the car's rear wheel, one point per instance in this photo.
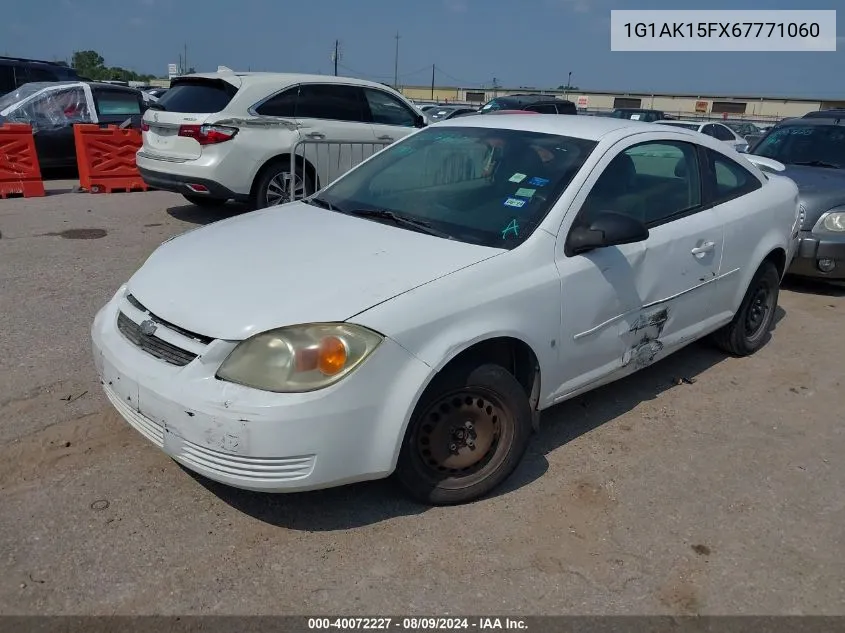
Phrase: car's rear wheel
[276,185]
[203,201]
[467,434]
[749,329]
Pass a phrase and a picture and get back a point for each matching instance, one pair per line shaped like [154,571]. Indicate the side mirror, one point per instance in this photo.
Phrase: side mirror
[606,229]
[419,121]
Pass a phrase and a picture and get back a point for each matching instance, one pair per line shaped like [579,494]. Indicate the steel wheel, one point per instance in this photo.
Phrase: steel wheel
[758,310]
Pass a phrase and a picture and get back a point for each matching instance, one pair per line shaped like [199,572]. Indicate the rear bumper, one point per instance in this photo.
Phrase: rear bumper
[811,249]
[180,184]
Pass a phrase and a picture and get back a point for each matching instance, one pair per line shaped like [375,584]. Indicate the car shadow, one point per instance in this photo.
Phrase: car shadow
[194,214]
[811,286]
[368,503]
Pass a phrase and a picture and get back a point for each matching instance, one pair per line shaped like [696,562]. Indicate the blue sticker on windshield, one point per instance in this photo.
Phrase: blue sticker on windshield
[515,202]
[513,227]
[538,182]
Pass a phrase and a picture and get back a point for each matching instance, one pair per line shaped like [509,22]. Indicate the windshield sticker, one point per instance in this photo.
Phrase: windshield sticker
[518,177]
[513,227]
[525,193]
[515,202]
[538,182]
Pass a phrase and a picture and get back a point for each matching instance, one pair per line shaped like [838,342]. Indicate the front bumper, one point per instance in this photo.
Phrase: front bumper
[253,439]
[813,247]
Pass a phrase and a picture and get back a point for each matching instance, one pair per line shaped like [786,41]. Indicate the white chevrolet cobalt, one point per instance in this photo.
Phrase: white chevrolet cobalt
[415,315]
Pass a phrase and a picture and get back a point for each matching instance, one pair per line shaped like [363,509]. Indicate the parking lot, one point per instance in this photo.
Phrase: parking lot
[702,485]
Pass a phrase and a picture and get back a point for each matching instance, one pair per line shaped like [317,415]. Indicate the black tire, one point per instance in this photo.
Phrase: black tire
[749,329]
[204,201]
[464,406]
[277,172]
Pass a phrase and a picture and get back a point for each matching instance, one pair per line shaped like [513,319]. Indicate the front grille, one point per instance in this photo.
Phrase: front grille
[152,344]
[205,340]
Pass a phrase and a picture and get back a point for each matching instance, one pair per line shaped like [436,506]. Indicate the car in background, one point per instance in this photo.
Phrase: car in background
[53,108]
[17,71]
[744,128]
[716,130]
[542,104]
[639,114]
[832,113]
[229,135]
[444,113]
[156,92]
[310,346]
[811,151]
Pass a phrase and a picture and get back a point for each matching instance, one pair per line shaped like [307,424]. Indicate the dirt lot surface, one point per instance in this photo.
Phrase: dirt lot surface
[724,494]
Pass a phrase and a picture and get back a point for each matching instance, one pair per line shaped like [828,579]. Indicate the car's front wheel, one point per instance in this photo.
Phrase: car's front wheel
[467,434]
[277,185]
[749,329]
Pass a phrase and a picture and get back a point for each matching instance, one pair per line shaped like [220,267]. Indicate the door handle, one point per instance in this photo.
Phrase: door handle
[385,137]
[317,135]
[701,251]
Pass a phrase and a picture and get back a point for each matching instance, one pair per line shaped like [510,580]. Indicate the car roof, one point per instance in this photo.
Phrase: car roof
[833,120]
[274,80]
[586,127]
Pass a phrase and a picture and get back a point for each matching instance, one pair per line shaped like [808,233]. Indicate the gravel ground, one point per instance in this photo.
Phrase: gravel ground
[724,494]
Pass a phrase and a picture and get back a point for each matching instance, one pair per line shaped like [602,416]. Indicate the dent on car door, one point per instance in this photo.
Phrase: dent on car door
[334,133]
[648,297]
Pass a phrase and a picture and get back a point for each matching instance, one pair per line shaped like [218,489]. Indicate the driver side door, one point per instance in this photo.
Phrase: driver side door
[626,306]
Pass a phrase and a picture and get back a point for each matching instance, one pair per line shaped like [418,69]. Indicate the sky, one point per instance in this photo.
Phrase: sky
[529,43]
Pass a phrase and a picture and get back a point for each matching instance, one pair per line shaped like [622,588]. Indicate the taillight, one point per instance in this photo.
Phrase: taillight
[145,127]
[208,134]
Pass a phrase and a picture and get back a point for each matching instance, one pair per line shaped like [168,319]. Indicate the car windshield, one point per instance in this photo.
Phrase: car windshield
[805,144]
[479,185]
[436,114]
[497,104]
[26,90]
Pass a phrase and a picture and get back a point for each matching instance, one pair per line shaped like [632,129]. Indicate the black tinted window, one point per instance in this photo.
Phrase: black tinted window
[333,102]
[386,110]
[709,130]
[732,179]
[723,133]
[34,73]
[203,97]
[805,144]
[543,108]
[7,79]
[283,104]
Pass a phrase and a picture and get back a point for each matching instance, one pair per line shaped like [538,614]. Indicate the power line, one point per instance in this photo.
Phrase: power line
[460,81]
[358,72]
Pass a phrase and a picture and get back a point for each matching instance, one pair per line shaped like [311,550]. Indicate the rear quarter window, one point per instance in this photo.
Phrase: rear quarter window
[116,103]
[202,97]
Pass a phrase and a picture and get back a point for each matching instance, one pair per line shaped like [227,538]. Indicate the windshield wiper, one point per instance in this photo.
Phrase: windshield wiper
[320,202]
[400,220]
[817,163]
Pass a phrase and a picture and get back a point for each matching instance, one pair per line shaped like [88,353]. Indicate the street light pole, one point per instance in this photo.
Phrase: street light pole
[396,65]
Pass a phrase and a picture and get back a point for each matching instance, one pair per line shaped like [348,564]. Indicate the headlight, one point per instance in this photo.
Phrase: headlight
[299,358]
[834,221]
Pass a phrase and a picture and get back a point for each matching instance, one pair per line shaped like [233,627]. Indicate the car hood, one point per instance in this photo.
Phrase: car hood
[286,265]
[819,190]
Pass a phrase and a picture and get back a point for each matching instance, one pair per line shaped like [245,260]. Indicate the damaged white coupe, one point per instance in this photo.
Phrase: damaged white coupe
[415,316]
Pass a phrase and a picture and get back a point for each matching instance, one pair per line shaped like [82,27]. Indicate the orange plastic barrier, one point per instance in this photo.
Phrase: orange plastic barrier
[105,157]
[20,174]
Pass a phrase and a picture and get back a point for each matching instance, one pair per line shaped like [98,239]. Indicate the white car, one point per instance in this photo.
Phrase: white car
[718,131]
[229,136]
[416,315]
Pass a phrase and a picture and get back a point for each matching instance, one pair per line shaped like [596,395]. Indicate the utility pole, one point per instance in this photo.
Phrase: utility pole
[495,87]
[568,85]
[396,65]
[186,58]
[336,47]
[432,82]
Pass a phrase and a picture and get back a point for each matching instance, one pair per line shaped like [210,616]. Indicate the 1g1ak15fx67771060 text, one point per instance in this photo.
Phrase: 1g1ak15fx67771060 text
[722,29]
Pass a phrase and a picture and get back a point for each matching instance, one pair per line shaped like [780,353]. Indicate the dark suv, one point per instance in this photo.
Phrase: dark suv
[17,71]
[542,104]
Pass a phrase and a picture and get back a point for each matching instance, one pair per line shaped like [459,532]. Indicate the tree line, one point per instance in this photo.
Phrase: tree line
[91,65]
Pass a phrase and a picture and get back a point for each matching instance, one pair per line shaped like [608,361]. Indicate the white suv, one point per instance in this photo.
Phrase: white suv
[230,136]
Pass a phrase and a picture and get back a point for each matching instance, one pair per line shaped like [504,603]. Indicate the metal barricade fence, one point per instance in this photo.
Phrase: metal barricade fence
[331,159]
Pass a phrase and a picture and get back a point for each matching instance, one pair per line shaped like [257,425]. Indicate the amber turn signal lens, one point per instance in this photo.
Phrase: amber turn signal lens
[332,356]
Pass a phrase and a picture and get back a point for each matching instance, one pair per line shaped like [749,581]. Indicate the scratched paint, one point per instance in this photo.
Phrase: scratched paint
[655,319]
[644,352]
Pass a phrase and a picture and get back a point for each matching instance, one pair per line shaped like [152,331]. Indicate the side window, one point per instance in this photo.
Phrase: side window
[39,74]
[709,130]
[116,103]
[387,110]
[333,102]
[283,104]
[732,180]
[723,133]
[653,182]
[546,108]
[57,108]
[7,79]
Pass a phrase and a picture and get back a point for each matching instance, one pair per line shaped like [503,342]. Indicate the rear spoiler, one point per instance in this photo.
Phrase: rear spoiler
[766,164]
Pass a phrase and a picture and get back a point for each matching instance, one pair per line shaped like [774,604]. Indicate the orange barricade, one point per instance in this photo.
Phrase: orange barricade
[20,174]
[106,158]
